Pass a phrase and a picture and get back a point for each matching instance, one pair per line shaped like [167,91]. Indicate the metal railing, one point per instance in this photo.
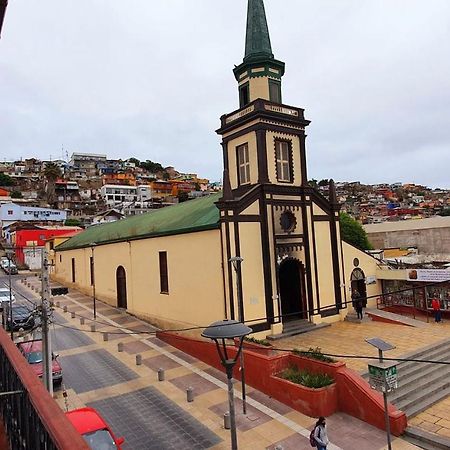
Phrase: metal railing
[31,418]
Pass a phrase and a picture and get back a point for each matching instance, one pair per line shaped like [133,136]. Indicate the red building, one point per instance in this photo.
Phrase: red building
[36,237]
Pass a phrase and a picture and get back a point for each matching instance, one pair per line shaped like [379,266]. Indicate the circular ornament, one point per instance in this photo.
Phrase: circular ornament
[288,221]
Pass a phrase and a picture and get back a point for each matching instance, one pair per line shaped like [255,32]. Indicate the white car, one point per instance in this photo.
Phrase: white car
[4,297]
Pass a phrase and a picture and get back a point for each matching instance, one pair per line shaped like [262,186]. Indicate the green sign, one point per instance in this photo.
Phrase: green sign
[383,378]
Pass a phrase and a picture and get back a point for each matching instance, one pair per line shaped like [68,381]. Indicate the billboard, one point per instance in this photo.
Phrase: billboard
[430,275]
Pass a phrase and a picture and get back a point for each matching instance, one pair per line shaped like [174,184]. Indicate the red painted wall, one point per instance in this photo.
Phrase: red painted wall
[351,393]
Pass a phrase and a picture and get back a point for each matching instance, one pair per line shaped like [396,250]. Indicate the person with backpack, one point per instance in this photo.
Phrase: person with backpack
[319,436]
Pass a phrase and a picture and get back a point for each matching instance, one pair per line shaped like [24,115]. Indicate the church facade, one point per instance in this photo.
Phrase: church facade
[267,250]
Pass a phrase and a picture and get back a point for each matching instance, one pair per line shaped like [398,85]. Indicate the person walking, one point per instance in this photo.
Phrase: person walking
[357,302]
[436,305]
[320,434]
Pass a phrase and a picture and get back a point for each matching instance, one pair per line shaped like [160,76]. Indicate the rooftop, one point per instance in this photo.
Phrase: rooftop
[404,225]
[194,215]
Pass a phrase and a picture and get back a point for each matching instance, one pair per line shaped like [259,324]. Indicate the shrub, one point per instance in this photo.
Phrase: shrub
[314,353]
[264,342]
[305,378]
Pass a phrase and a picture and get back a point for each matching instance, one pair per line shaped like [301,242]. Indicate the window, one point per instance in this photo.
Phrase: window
[244,95]
[91,265]
[163,275]
[275,91]
[10,212]
[283,156]
[73,270]
[60,258]
[243,161]
[52,245]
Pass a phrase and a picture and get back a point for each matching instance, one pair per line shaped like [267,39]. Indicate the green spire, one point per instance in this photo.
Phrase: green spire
[257,41]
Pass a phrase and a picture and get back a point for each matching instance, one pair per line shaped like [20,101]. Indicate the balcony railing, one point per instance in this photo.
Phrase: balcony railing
[30,416]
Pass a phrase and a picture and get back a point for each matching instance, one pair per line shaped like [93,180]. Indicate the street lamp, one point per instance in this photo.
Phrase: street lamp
[236,261]
[219,332]
[93,244]
[9,252]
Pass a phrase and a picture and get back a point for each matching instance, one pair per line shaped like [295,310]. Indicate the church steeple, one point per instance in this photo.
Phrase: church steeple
[257,39]
[259,75]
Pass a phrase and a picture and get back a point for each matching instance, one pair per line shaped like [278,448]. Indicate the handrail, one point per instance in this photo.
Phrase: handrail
[32,418]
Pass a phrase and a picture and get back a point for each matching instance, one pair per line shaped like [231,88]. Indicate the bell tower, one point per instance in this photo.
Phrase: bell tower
[269,214]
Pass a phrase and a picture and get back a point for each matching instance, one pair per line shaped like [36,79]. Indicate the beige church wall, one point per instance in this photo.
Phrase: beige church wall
[270,141]
[252,209]
[249,139]
[252,271]
[259,88]
[317,211]
[368,265]
[324,264]
[273,263]
[194,273]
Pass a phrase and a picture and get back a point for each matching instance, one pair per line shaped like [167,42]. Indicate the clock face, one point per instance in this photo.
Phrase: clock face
[288,221]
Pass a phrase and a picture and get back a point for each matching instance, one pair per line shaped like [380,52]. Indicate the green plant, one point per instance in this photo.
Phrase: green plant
[264,342]
[305,378]
[353,233]
[314,353]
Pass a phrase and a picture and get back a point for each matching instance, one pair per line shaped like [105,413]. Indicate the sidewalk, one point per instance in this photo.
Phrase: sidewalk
[267,424]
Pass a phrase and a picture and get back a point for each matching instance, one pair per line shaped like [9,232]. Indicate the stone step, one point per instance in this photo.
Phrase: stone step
[291,324]
[435,354]
[423,382]
[426,440]
[424,398]
[425,404]
[298,330]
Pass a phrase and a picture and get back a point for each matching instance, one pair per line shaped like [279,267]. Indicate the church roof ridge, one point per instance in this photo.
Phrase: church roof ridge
[194,215]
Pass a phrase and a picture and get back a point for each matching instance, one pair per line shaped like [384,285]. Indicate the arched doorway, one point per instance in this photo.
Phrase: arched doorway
[358,282]
[121,284]
[292,292]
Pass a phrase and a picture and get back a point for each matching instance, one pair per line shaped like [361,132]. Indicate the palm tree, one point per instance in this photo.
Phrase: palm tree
[51,173]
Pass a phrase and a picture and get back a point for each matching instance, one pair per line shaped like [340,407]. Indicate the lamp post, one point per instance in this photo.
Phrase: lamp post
[93,244]
[219,332]
[9,252]
[236,261]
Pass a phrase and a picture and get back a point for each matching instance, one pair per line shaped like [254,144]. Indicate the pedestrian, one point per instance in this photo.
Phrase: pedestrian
[357,302]
[436,305]
[320,434]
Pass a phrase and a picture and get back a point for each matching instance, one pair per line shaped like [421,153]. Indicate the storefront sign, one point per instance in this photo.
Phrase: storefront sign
[383,377]
[436,275]
[371,279]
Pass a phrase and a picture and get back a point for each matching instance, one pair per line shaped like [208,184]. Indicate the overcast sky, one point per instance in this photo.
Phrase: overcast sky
[150,79]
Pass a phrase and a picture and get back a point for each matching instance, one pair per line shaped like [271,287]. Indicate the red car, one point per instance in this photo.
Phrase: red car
[32,351]
[95,431]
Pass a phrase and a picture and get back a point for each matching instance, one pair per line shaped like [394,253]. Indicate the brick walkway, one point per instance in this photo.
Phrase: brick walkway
[349,338]
[268,423]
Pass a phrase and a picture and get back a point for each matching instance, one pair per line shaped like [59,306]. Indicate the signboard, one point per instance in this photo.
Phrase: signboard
[382,377]
[371,279]
[430,275]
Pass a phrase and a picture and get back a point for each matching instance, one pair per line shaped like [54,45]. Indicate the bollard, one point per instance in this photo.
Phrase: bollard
[160,374]
[226,421]
[81,320]
[92,327]
[65,308]
[138,360]
[58,304]
[105,336]
[120,347]
[72,314]
[279,447]
[190,394]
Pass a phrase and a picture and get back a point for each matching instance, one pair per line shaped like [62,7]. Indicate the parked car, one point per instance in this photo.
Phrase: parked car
[32,351]
[95,431]
[22,317]
[10,267]
[4,297]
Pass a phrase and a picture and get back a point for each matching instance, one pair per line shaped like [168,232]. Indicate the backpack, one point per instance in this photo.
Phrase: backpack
[312,439]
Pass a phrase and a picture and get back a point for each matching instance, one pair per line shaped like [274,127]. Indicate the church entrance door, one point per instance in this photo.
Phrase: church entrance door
[121,282]
[358,282]
[293,298]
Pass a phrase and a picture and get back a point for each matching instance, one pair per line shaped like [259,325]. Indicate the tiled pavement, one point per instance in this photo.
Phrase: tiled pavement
[152,414]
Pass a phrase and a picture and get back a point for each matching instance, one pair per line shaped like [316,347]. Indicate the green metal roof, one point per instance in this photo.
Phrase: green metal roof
[194,215]
[257,40]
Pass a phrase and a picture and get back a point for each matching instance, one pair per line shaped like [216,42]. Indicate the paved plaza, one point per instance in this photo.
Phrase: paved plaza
[155,414]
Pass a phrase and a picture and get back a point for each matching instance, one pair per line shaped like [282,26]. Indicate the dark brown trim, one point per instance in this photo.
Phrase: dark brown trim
[321,218]
[264,326]
[343,275]
[229,269]
[289,236]
[335,259]
[237,249]
[277,277]
[225,155]
[307,256]
[242,218]
[303,167]
[223,276]
[267,268]
[261,149]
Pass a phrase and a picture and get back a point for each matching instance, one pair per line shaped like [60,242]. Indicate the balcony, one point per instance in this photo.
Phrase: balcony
[29,417]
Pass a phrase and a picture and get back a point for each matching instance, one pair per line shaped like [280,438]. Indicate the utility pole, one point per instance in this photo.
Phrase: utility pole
[45,306]
[8,253]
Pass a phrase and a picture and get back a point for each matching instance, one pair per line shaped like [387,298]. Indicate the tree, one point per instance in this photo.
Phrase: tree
[324,182]
[313,183]
[16,194]
[6,180]
[151,166]
[353,233]
[135,161]
[445,212]
[183,197]
[72,223]
[51,173]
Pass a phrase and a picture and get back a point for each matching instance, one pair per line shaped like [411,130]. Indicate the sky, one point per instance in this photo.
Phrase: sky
[150,79]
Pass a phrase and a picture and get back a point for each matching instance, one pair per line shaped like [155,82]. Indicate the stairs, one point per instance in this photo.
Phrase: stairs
[424,439]
[294,327]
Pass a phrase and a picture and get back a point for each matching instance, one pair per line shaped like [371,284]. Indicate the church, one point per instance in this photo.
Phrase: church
[266,250]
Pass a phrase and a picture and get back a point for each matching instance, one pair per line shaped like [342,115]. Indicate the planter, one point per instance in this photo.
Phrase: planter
[257,348]
[311,402]
[314,365]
